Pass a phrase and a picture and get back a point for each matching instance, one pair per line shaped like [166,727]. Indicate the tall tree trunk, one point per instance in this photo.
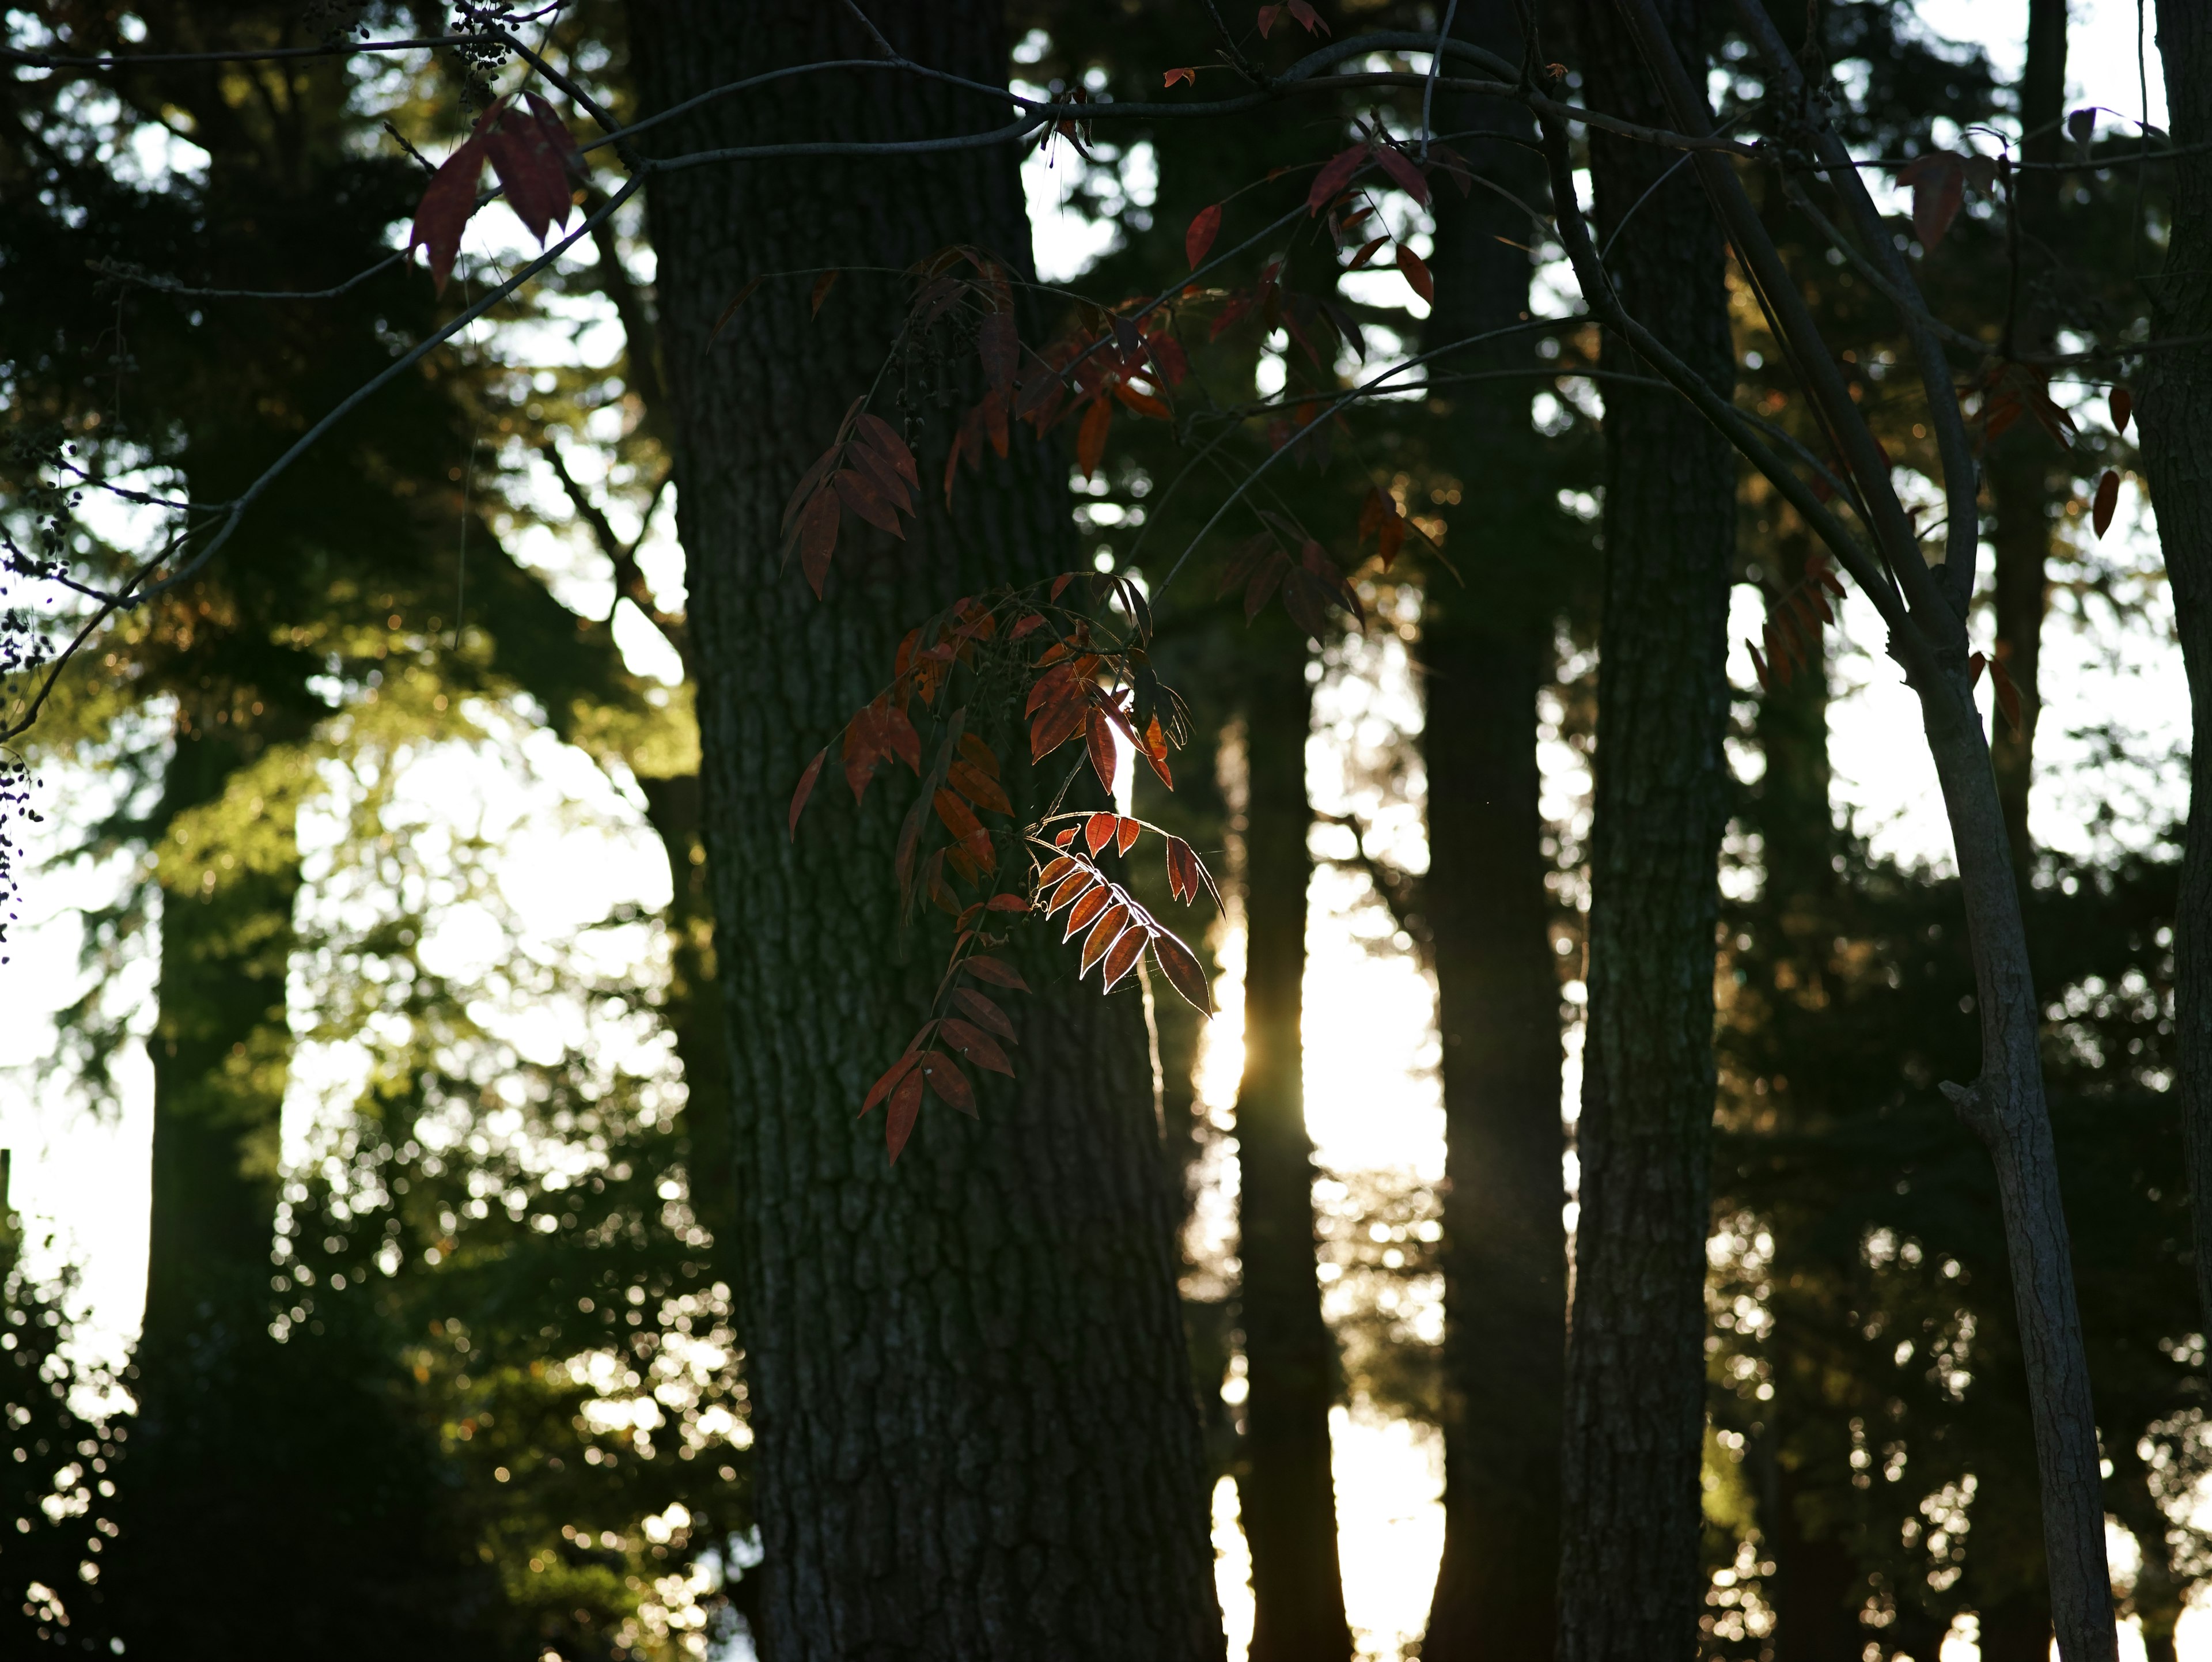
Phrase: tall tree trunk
[1287,1489]
[1485,656]
[973,1431]
[2176,443]
[2020,464]
[1635,1404]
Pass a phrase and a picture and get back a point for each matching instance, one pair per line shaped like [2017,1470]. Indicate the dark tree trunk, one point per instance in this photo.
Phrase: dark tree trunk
[2177,441]
[1635,1403]
[220,1050]
[2019,462]
[974,1436]
[1287,1489]
[1484,656]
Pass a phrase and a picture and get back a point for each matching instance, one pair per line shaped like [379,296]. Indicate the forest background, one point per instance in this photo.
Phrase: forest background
[526,854]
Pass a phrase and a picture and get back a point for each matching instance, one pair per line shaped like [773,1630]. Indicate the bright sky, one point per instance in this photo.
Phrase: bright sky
[1372,1098]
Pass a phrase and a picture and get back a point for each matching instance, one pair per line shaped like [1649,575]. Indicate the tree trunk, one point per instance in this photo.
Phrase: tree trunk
[2176,445]
[1287,1491]
[974,1435]
[1484,657]
[2019,462]
[1635,1404]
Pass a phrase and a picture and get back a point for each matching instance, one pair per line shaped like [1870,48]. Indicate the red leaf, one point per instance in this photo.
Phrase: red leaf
[978,787]
[818,538]
[1307,15]
[822,285]
[1111,922]
[1261,588]
[1054,870]
[858,494]
[974,1045]
[947,1080]
[729,312]
[806,788]
[1175,75]
[1392,538]
[1400,167]
[1063,836]
[803,492]
[1086,909]
[1975,665]
[447,202]
[1758,664]
[1267,16]
[1333,177]
[1060,583]
[906,1108]
[531,173]
[892,1074]
[1099,742]
[1204,226]
[556,135]
[1417,274]
[1091,437]
[2108,499]
[2123,404]
[1939,191]
[1099,830]
[986,1013]
[882,477]
[1184,972]
[1072,887]
[882,437]
[1143,402]
[1126,834]
[2007,693]
[997,972]
[1366,252]
[1124,954]
[960,821]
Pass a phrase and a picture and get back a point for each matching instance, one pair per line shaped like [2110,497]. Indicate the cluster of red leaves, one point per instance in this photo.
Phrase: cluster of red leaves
[1794,624]
[1297,9]
[537,163]
[867,471]
[1309,584]
[1115,926]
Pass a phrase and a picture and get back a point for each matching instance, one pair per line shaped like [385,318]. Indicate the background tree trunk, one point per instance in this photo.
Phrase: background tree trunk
[1287,1489]
[1484,655]
[2176,445]
[1635,1404]
[974,1436]
[2020,463]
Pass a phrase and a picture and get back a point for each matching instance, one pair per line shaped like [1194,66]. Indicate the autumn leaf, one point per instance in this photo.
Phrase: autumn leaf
[1416,273]
[1333,177]
[1184,972]
[985,1011]
[973,1045]
[447,202]
[905,1109]
[817,539]
[531,169]
[999,348]
[962,822]
[978,787]
[892,1074]
[1123,956]
[2108,500]
[1091,437]
[1939,191]
[947,1080]
[1126,834]
[730,310]
[806,788]
[1307,15]
[882,438]
[855,491]
[1055,869]
[997,972]
[1204,226]
[2007,693]
[822,285]
[1072,887]
[2123,406]
[1403,172]
[1104,934]
[1367,252]
[1099,830]
[1085,911]
[1098,740]
[1175,75]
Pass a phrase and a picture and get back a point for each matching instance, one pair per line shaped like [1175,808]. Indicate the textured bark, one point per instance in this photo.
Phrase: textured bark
[2176,411]
[1287,1488]
[2020,464]
[974,1435]
[1485,653]
[1635,1403]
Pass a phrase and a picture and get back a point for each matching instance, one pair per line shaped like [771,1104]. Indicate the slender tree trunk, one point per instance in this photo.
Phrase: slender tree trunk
[2020,463]
[2176,443]
[1635,1405]
[974,1436]
[1287,1489]
[1485,656]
